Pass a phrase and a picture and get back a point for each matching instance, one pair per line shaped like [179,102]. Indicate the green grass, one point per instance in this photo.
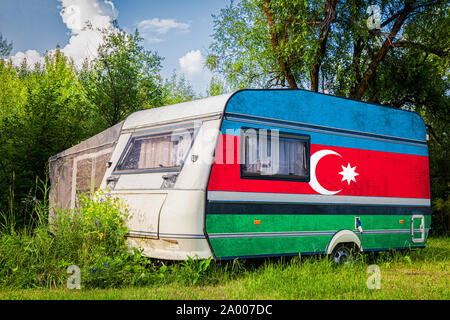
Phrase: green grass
[33,264]
[409,275]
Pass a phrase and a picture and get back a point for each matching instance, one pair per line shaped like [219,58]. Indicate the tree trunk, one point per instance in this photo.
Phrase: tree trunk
[358,47]
[329,15]
[274,39]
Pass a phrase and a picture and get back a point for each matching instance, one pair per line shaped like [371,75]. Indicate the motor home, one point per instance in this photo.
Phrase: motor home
[260,173]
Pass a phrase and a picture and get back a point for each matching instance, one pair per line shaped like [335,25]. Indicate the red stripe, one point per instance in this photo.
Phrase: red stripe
[380,174]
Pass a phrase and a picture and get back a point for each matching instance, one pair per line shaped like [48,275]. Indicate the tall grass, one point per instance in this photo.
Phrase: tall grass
[93,238]
[417,274]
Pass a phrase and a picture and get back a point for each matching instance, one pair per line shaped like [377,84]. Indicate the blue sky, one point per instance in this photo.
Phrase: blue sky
[180,31]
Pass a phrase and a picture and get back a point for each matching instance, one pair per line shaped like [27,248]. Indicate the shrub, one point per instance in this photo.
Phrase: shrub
[91,237]
[440,217]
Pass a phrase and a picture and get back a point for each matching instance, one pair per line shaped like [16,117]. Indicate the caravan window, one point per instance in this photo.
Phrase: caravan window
[274,155]
[158,152]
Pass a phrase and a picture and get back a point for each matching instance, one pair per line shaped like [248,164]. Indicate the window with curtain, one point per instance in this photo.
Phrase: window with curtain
[159,151]
[269,153]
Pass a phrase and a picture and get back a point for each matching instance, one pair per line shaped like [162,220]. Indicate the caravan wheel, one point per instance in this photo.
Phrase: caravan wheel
[342,254]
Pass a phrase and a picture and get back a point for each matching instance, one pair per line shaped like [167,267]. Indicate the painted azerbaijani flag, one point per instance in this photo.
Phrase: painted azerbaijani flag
[334,171]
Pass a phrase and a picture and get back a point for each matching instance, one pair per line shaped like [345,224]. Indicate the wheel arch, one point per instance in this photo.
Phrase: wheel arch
[341,237]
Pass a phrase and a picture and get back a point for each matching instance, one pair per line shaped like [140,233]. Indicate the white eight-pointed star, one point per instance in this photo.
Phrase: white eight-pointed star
[348,173]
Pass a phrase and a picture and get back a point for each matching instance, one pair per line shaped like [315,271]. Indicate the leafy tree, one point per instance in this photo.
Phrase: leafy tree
[5,47]
[46,113]
[50,107]
[177,89]
[217,86]
[320,44]
[338,47]
[12,100]
[124,78]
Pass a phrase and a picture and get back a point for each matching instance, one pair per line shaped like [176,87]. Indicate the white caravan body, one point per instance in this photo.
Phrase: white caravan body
[166,204]
[167,219]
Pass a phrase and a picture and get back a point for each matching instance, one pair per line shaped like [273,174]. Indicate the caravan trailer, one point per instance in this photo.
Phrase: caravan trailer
[260,173]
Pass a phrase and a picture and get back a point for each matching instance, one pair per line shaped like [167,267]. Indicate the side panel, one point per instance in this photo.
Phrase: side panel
[167,221]
[263,217]
[144,211]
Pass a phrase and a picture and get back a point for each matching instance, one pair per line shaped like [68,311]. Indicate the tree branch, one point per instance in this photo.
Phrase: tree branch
[116,95]
[404,43]
[387,44]
[430,130]
[329,15]
[274,39]
[389,20]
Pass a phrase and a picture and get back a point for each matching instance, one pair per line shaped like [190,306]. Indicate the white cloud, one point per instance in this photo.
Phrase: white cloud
[192,62]
[82,43]
[192,67]
[151,39]
[155,27]
[162,26]
[32,57]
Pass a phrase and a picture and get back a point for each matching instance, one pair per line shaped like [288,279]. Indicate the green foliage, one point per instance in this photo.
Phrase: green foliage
[42,111]
[194,269]
[91,237]
[243,50]
[217,86]
[49,107]
[13,92]
[177,89]
[98,222]
[440,223]
[124,78]
[258,42]
[5,47]
[240,51]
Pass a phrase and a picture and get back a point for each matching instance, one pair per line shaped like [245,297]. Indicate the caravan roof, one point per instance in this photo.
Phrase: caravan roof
[181,111]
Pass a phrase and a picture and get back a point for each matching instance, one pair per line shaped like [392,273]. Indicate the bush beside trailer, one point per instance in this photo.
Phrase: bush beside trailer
[259,173]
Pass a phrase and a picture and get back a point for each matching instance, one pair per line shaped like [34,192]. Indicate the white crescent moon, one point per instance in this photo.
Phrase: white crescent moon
[315,158]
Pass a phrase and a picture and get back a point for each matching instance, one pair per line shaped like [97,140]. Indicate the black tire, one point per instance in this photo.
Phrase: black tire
[343,254]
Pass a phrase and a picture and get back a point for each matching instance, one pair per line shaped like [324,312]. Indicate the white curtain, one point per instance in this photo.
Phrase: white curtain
[155,153]
[252,162]
[164,151]
[272,155]
[292,157]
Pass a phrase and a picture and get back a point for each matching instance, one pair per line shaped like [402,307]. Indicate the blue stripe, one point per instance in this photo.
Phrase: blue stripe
[329,111]
[336,140]
[320,129]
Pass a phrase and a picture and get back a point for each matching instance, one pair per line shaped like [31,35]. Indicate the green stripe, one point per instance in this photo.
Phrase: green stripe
[273,245]
[267,246]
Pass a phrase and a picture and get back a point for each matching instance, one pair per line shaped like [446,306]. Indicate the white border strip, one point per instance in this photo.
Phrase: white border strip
[301,233]
[270,234]
[233,196]
[154,235]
